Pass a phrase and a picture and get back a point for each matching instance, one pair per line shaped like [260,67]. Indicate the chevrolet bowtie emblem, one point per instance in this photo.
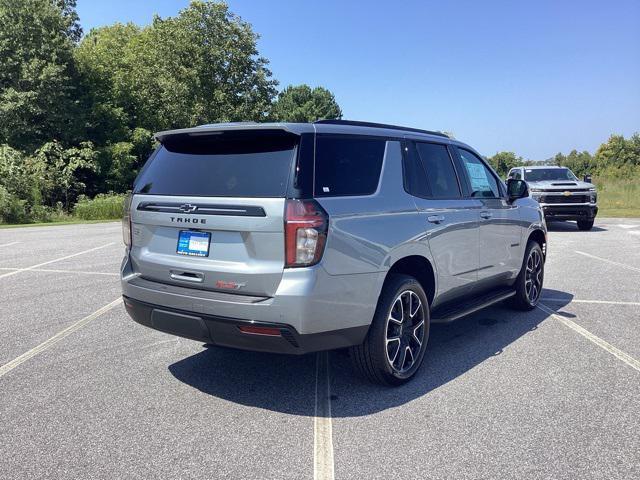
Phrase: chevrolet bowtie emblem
[566,193]
[188,208]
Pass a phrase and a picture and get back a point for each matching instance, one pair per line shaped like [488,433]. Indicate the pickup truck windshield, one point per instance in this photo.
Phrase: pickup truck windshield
[543,174]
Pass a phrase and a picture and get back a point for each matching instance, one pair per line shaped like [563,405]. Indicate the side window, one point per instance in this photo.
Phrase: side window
[483,183]
[517,174]
[415,180]
[347,165]
[441,175]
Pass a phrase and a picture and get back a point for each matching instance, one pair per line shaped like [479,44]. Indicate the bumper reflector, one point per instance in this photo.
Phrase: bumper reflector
[272,332]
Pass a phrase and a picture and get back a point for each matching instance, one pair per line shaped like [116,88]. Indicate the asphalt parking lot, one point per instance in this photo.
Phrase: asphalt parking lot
[87,393]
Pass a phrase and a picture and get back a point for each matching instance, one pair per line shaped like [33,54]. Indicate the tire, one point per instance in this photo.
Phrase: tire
[531,276]
[376,358]
[585,225]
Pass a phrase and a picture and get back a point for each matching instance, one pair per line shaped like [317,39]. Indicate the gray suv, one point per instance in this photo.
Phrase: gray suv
[561,195]
[296,238]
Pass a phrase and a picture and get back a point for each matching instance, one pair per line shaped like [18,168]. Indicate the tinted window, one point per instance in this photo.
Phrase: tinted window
[347,165]
[226,165]
[440,172]
[483,183]
[517,174]
[415,180]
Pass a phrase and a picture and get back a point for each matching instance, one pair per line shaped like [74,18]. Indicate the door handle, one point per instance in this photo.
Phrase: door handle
[435,218]
[486,215]
[186,276]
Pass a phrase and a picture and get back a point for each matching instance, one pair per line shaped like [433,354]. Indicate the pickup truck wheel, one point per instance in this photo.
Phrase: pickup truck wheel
[394,348]
[585,224]
[529,282]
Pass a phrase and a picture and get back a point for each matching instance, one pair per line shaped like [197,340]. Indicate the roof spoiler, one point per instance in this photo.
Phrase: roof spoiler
[221,128]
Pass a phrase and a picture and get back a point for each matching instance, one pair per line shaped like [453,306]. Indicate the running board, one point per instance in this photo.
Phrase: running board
[449,314]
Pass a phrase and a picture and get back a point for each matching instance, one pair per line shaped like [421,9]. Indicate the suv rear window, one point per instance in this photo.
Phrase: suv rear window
[232,164]
[347,165]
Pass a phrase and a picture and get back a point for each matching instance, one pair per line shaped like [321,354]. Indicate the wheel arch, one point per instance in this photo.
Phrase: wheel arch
[540,237]
[418,267]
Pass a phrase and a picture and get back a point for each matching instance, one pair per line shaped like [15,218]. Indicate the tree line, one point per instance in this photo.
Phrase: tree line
[617,158]
[77,113]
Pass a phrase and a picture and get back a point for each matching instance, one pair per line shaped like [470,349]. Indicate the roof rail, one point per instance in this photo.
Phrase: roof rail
[379,125]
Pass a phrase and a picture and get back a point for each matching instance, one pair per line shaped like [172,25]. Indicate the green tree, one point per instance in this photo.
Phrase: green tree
[502,162]
[618,151]
[39,99]
[100,58]
[61,171]
[200,66]
[579,163]
[302,104]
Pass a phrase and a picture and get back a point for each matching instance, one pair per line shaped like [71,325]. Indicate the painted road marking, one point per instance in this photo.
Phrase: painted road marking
[60,271]
[57,337]
[616,352]
[621,265]
[8,244]
[55,260]
[322,434]
[603,302]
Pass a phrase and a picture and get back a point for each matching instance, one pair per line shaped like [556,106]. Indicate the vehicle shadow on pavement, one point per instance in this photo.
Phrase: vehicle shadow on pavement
[286,383]
[571,227]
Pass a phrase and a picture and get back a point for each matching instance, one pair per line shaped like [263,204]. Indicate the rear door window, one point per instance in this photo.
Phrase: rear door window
[347,165]
[415,179]
[441,174]
[231,164]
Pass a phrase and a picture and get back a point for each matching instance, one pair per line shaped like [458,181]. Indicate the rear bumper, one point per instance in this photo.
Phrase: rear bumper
[226,332]
[321,311]
[569,212]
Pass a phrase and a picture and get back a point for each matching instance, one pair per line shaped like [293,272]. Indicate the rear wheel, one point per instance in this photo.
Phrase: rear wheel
[585,224]
[395,345]
[529,282]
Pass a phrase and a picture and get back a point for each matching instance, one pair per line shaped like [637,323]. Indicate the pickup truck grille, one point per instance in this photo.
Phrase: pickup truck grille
[563,199]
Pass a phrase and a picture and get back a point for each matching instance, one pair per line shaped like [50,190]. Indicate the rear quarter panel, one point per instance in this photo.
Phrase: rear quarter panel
[367,234]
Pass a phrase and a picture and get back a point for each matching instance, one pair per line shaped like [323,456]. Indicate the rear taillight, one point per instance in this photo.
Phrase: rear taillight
[305,229]
[126,221]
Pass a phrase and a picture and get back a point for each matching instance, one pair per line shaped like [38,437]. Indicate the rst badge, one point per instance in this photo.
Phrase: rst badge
[229,285]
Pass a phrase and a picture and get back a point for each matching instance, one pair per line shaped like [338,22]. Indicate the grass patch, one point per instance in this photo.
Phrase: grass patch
[71,221]
[102,207]
[618,197]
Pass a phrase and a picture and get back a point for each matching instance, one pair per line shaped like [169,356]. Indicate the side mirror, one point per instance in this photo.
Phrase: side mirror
[516,189]
[587,178]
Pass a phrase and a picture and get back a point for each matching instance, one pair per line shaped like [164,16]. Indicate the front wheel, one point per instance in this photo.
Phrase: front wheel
[394,348]
[585,225]
[529,282]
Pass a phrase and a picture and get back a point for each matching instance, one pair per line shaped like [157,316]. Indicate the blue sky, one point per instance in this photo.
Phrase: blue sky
[531,77]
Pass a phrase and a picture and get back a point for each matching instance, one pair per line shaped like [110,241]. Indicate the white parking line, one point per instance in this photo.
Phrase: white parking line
[56,338]
[8,244]
[603,302]
[621,265]
[32,267]
[616,352]
[322,432]
[112,274]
